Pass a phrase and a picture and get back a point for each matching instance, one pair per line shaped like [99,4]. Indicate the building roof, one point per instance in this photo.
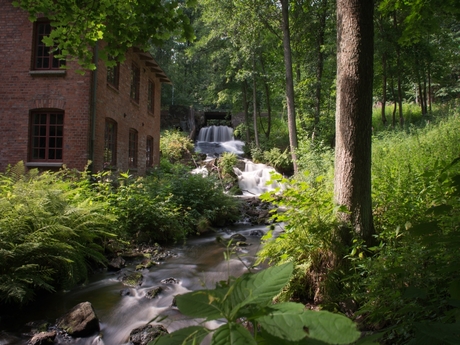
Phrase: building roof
[152,64]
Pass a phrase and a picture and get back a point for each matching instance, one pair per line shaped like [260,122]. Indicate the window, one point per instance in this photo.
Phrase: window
[135,82]
[132,154]
[43,56]
[151,97]
[47,134]
[149,152]
[110,143]
[113,75]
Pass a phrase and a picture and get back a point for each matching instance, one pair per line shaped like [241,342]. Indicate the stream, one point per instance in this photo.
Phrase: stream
[197,264]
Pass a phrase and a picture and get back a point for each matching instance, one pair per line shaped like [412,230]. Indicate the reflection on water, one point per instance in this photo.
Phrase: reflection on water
[197,264]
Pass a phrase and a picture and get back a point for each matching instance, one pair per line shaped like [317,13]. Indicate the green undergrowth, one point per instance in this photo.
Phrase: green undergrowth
[408,286]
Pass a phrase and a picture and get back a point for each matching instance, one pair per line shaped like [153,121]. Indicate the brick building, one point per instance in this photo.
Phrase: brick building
[52,116]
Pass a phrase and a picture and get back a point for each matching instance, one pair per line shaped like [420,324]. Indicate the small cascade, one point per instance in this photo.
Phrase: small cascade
[215,140]
[216,134]
[253,181]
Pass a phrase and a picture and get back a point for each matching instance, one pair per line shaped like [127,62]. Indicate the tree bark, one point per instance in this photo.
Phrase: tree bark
[352,180]
[254,102]
[245,110]
[289,82]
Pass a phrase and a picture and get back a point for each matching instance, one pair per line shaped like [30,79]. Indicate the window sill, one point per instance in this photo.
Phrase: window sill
[44,164]
[51,72]
[112,87]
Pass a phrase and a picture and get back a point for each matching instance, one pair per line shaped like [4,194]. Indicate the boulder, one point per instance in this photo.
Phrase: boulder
[80,321]
[151,294]
[144,335]
[116,264]
[133,279]
[43,338]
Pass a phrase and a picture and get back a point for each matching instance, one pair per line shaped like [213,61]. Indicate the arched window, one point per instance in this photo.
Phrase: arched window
[149,152]
[110,143]
[132,152]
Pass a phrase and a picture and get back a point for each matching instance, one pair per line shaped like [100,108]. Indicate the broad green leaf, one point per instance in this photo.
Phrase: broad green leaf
[265,338]
[232,334]
[260,288]
[202,303]
[285,321]
[370,339]
[193,335]
[436,333]
[329,327]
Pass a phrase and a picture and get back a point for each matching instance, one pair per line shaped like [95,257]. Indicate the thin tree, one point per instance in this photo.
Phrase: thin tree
[352,182]
[289,81]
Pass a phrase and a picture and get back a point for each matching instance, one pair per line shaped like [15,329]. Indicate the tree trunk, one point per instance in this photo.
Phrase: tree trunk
[352,180]
[289,82]
[245,110]
[384,88]
[267,97]
[399,72]
[254,102]
[320,61]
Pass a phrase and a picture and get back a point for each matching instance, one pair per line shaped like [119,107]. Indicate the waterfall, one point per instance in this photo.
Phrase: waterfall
[254,179]
[217,134]
[215,140]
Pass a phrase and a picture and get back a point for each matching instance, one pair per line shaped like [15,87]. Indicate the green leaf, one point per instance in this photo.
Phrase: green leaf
[260,288]
[370,340]
[329,327]
[202,303]
[285,321]
[232,334]
[184,336]
[436,333]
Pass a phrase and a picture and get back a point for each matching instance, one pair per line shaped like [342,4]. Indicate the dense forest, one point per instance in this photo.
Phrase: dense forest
[355,103]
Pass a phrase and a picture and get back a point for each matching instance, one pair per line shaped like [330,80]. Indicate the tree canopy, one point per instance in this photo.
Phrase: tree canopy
[121,24]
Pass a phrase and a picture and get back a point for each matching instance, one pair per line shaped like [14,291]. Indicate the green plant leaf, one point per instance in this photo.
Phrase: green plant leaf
[232,334]
[202,303]
[285,321]
[329,327]
[260,288]
[184,336]
[436,333]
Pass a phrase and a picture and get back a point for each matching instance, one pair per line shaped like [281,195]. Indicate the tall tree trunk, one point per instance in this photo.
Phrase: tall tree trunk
[429,87]
[352,179]
[384,88]
[289,82]
[254,101]
[267,98]
[320,61]
[398,69]
[246,110]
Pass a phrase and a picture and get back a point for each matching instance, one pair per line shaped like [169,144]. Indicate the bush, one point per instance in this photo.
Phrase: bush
[175,145]
[51,233]
[167,205]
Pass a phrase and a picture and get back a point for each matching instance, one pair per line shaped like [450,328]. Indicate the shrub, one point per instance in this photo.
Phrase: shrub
[175,145]
[226,163]
[50,234]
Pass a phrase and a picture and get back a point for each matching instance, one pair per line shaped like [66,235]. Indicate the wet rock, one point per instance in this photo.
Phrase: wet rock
[144,335]
[116,264]
[133,279]
[257,233]
[170,280]
[42,338]
[80,321]
[125,292]
[151,294]
[237,238]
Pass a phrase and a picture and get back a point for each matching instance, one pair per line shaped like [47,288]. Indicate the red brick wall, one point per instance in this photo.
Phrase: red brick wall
[117,104]
[20,92]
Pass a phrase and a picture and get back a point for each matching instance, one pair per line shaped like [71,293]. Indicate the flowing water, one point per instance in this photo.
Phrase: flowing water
[197,264]
[214,140]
